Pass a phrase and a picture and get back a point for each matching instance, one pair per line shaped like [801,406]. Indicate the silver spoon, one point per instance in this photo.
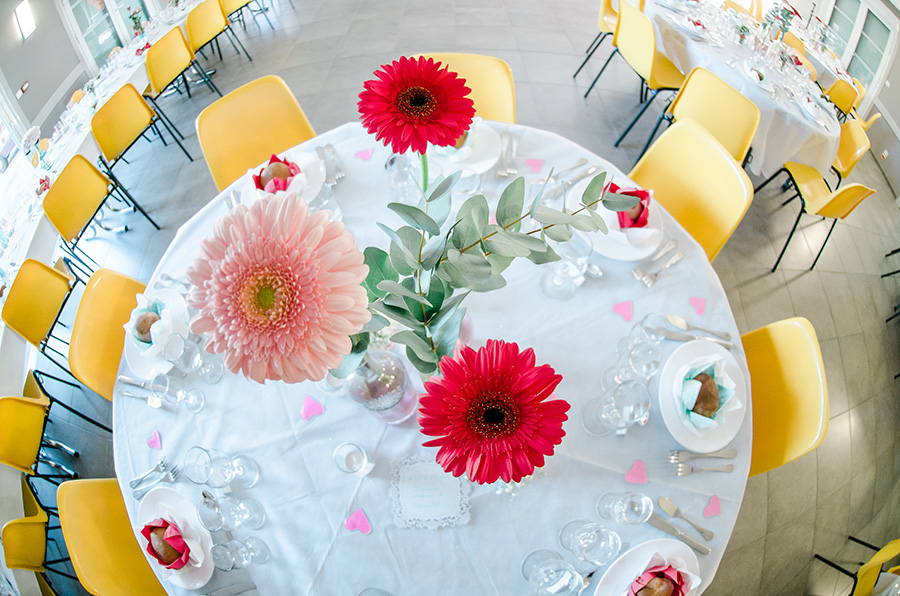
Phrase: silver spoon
[677,321]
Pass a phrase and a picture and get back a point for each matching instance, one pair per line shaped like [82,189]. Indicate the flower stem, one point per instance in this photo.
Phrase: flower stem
[424,159]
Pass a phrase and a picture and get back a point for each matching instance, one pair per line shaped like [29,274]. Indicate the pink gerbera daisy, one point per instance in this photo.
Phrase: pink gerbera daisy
[414,102]
[491,413]
[279,290]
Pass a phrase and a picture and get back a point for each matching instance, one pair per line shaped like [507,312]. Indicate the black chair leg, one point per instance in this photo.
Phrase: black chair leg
[820,254]
[594,45]
[769,179]
[131,198]
[793,229]
[652,134]
[206,79]
[176,140]
[228,29]
[605,64]
[834,565]
[638,117]
[794,196]
[163,115]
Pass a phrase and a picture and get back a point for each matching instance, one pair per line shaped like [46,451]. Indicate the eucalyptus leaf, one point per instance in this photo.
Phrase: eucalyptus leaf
[424,368]
[529,242]
[443,188]
[594,190]
[395,288]
[539,196]
[401,315]
[616,202]
[601,223]
[417,344]
[495,282]
[547,256]
[349,363]
[415,217]
[431,253]
[475,209]
[512,201]
[376,323]
[499,263]
[439,209]
[559,233]
[545,215]
[447,309]
[445,339]
[505,247]
[402,259]
[584,223]
[380,268]
[474,267]
[392,300]
[434,295]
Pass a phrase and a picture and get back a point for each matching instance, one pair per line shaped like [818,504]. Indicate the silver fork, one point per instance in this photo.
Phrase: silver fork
[680,456]
[169,476]
[651,278]
[159,467]
[639,272]
[338,170]
[688,469]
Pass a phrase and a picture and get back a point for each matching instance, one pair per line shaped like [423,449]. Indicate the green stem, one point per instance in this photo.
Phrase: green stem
[424,159]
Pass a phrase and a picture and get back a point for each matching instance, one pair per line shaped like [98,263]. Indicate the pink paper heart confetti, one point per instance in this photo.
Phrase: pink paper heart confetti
[713,507]
[364,155]
[358,521]
[699,304]
[637,474]
[535,164]
[155,441]
[311,408]
[623,309]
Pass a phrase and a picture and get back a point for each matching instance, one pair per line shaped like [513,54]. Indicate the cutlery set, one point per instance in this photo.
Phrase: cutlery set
[161,472]
[679,458]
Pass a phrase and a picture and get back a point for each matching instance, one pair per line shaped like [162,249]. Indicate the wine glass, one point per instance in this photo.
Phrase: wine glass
[643,360]
[230,513]
[627,404]
[625,507]
[217,469]
[187,357]
[547,573]
[235,554]
[173,392]
[590,541]
[563,277]
[652,328]
[374,592]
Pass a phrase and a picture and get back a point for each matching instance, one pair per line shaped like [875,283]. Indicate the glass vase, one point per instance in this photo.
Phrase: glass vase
[382,385]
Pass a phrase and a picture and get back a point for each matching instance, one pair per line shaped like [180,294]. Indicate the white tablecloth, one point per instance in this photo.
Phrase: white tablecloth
[784,133]
[307,499]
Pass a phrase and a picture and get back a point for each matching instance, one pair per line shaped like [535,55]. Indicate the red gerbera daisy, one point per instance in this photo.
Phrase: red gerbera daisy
[414,102]
[490,413]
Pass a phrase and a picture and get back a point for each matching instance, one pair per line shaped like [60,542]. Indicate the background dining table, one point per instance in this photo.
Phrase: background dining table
[308,500]
[786,131]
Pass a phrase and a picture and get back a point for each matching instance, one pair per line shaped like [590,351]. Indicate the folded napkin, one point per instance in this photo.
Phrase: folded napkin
[279,184]
[180,536]
[165,317]
[690,389]
[625,220]
[671,567]
[173,538]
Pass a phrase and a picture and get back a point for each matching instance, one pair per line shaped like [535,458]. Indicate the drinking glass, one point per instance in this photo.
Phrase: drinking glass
[235,554]
[643,359]
[625,508]
[590,541]
[547,573]
[468,185]
[230,513]
[187,357]
[173,392]
[374,592]
[627,404]
[217,469]
[651,328]
[350,458]
[563,277]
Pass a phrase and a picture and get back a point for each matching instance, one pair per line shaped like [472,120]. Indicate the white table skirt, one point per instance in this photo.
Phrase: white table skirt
[784,133]
[307,499]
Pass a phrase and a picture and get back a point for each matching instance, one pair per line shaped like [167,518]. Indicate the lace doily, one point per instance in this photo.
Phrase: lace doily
[424,496]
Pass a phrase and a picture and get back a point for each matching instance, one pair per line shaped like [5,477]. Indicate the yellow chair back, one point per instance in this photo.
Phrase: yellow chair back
[120,121]
[719,108]
[698,182]
[795,42]
[867,575]
[840,203]
[790,395]
[636,39]
[854,144]
[25,542]
[491,82]
[30,504]
[229,6]
[105,553]
[204,22]
[77,96]
[167,59]
[608,18]
[860,92]
[98,335]
[842,94]
[34,300]
[74,198]
[232,139]
[867,124]
[21,431]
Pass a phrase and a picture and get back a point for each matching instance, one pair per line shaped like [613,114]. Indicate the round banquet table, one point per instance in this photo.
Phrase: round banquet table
[307,499]
[785,132]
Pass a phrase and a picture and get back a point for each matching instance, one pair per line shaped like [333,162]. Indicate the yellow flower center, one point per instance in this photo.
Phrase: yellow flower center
[266,297]
[417,102]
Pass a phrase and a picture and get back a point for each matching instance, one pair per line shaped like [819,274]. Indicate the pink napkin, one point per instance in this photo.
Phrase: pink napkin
[140,51]
[624,219]
[667,571]
[276,184]
[172,537]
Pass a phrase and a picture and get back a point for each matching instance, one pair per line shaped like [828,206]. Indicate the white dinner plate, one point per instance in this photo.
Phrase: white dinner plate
[622,572]
[485,146]
[670,391]
[684,23]
[188,577]
[143,366]
[614,245]
[310,166]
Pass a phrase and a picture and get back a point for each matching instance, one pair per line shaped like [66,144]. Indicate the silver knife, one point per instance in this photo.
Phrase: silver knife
[661,524]
[681,336]
[233,589]
[567,184]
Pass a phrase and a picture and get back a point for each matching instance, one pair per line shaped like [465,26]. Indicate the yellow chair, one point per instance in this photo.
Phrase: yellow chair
[866,124]
[716,106]
[77,96]
[795,42]
[854,144]
[107,557]
[234,9]
[205,23]
[33,507]
[843,95]
[606,24]
[230,136]
[754,10]
[25,545]
[698,182]
[866,576]
[98,335]
[33,304]
[860,92]
[36,388]
[121,121]
[74,200]
[22,421]
[167,60]
[790,395]
[491,82]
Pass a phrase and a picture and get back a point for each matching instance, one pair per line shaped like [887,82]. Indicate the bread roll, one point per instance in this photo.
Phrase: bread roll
[272,171]
[658,586]
[707,403]
[142,325]
[164,551]
[461,140]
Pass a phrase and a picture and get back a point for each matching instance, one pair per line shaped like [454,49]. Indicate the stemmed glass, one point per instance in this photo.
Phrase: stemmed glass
[628,404]
[590,541]
[235,554]
[547,573]
[639,364]
[217,469]
[228,512]
[563,277]
[187,357]
[173,392]
[625,508]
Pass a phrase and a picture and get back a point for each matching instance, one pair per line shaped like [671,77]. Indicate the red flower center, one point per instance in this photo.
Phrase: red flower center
[416,102]
[493,416]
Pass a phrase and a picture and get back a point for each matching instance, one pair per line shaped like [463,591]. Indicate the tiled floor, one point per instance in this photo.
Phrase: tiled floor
[326,49]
